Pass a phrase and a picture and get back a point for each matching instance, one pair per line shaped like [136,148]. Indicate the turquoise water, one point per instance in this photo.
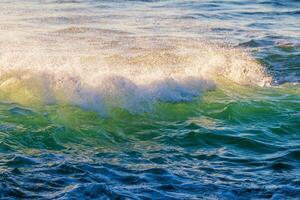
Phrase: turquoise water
[149,99]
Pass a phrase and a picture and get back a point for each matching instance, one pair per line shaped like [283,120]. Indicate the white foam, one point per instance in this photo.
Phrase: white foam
[125,77]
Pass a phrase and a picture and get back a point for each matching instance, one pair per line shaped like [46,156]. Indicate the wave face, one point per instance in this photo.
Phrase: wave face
[149,99]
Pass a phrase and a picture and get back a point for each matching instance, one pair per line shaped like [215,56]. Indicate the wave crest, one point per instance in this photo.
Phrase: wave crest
[131,78]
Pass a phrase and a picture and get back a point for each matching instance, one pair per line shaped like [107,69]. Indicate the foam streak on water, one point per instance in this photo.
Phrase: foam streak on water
[149,99]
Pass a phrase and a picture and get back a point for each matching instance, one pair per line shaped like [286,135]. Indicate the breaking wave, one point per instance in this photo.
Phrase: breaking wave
[129,79]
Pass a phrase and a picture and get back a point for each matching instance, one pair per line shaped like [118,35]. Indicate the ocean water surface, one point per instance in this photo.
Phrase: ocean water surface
[149,99]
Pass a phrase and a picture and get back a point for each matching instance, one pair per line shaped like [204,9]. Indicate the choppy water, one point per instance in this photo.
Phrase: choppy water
[149,99]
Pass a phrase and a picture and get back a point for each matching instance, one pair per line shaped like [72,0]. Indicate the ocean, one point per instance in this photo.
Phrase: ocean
[150,99]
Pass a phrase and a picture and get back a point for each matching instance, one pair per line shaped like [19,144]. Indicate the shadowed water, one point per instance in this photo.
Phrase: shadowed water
[149,99]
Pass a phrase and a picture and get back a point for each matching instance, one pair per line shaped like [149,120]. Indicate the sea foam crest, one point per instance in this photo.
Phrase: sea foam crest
[129,80]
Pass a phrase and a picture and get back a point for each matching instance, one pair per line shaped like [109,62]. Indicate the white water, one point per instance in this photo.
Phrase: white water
[124,77]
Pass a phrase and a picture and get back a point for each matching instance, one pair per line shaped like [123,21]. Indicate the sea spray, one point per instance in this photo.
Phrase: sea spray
[127,79]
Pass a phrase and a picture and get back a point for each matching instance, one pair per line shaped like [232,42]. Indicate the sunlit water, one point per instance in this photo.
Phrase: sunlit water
[149,99]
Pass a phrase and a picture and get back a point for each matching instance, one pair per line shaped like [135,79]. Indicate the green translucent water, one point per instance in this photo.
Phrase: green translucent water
[245,139]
